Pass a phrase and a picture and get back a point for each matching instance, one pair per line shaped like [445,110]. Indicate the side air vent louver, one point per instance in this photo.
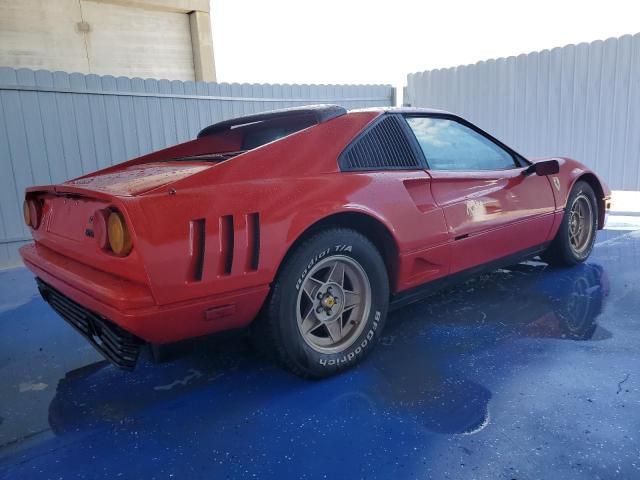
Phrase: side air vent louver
[381,147]
[197,239]
[226,244]
[253,241]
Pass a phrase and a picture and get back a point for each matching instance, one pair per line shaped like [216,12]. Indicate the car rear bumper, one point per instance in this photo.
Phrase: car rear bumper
[117,345]
[131,307]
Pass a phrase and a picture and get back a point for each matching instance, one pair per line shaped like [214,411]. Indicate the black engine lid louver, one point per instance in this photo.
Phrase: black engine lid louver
[384,146]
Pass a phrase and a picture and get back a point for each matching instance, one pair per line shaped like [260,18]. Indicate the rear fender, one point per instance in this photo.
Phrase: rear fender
[358,217]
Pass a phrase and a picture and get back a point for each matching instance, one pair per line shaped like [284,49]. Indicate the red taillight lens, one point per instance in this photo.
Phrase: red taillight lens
[100,231]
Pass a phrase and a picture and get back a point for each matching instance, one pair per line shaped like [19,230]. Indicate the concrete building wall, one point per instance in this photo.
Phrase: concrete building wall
[135,38]
[42,34]
[151,43]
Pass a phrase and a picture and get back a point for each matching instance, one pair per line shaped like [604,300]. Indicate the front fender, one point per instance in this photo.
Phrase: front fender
[570,172]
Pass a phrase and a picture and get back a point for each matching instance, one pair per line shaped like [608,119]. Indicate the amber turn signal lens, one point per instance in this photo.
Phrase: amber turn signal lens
[119,238]
[26,213]
[35,212]
[32,212]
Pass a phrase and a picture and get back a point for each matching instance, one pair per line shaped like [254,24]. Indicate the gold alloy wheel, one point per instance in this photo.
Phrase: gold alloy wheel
[580,224]
[333,304]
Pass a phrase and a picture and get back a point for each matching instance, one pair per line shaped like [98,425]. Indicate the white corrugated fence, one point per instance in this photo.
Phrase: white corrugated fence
[55,126]
[581,101]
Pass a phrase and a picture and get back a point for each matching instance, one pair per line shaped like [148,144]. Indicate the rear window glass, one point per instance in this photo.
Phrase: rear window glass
[258,134]
[241,138]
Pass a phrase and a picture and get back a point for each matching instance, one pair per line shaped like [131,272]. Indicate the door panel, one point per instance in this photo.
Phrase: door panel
[492,210]
[491,214]
[493,244]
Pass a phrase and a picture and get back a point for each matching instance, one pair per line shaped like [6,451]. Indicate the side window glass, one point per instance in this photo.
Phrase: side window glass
[449,145]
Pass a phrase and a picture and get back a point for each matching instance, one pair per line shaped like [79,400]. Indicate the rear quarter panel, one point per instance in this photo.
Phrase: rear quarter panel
[273,181]
[286,209]
[290,184]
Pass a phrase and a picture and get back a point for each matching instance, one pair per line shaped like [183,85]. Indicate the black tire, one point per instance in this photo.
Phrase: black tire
[276,331]
[561,252]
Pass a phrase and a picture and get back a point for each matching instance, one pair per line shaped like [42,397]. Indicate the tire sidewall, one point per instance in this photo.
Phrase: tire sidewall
[580,188]
[322,246]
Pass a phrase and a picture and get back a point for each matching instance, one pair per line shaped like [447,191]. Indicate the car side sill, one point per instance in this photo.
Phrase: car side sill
[418,293]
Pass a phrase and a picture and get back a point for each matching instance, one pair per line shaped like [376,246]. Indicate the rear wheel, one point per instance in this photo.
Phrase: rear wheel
[327,306]
[575,238]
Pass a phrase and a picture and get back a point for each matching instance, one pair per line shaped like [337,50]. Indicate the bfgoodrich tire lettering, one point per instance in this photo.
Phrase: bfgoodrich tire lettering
[328,304]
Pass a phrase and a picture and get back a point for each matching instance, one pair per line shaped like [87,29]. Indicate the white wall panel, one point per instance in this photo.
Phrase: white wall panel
[55,126]
[580,101]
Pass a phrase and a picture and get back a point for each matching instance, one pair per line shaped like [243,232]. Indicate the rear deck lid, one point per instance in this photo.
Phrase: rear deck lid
[137,179]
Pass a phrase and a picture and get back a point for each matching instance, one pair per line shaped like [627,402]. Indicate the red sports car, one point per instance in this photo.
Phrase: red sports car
[306,223]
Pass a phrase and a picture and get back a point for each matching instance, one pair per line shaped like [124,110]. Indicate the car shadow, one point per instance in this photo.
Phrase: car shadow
[431,367]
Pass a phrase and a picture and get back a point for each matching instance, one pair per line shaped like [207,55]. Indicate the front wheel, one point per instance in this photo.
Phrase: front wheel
[327,306]
[577,233]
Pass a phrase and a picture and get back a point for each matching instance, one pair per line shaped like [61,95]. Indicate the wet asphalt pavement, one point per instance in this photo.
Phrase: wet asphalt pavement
[523,373]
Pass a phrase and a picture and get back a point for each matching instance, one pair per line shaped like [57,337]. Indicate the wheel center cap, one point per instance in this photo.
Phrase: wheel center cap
[329,301]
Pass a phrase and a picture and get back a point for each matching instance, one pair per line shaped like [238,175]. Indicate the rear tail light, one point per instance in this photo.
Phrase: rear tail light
[26,213]
[32,212]
[100,231]
[118,234]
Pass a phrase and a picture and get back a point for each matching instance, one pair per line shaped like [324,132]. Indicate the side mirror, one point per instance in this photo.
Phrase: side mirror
[543,168]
